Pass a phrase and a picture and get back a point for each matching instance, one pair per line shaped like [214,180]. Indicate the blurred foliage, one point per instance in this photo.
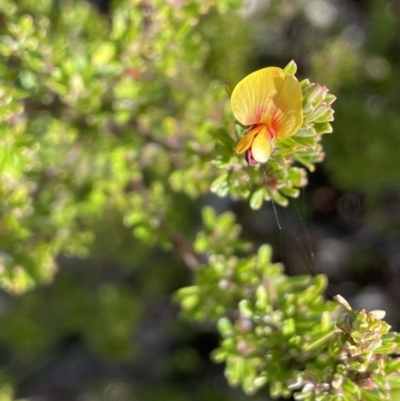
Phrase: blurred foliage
[361,60]
[113,128]
[97,113]
[279,330]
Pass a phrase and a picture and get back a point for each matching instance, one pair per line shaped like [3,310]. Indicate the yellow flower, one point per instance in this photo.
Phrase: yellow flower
[270,102]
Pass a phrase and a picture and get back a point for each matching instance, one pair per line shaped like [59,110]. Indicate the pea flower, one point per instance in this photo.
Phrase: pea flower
[270,102]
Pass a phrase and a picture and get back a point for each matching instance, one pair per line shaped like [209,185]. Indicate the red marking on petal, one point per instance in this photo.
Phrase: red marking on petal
[256,116]
[275,123]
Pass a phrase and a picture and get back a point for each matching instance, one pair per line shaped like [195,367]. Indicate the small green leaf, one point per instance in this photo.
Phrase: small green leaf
[261,297]
[239,124]
[234,370]
[393,366]
[209,217]
[246,308]
[291,68]
[350,386]
[394,381]
[370,395]
[323,128]
[338,298]
[224,138]
[257,198]
[329,98]
[219,355]
[279,199]
[261,381]
[275,389]
[225,327]
[347,396]
[322,114]
[303,83]
[229,88]
[220,185]
[291,192]
[314,94]
[305,162]
[288,327]
[264,255]
[308,141]
[305,132]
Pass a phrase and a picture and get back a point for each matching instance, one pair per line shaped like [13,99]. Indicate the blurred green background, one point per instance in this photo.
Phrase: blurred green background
[108,112]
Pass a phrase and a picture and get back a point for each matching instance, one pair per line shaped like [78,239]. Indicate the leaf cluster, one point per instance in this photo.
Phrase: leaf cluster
[279,330]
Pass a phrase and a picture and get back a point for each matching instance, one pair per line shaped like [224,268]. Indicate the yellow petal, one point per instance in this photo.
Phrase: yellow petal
[246,141]
[288,116]
[270,97]
[262,146]
[253,96]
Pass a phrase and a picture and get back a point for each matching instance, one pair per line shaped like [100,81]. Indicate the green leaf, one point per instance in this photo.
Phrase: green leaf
[219,355]
[264,255]
[350,387]
[308,141]
[303,160]
[224,138]
[229,88]
[257,198]
[262,298]
[342,302]
[323,128]
[246,308]
[288,327]
[220,185]
[370,395]
[394,381]
[291,68]
[291,192]
[225,327]
[393,366]
[322,114]
[329,98]
[303,83]
[279,199]
[305,133]
[209,217]
[235,370]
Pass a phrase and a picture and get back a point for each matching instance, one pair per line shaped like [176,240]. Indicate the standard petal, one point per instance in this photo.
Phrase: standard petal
[262,146]
[287,117]
[246,141]
[253,97]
